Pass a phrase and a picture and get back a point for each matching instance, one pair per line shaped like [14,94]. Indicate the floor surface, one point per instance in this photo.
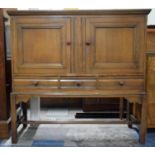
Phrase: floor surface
[59,135]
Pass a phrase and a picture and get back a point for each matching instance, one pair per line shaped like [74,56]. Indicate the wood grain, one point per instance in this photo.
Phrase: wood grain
[79,54]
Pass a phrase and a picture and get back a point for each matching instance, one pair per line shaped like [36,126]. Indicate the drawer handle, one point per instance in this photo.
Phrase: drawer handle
[121,83]
[78,84]
[36,84]
[68,43]
[88,43]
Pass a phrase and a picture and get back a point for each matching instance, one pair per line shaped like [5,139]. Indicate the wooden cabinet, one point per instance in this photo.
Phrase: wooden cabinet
[4,96]
[151,76]
[98,53]
[108,46]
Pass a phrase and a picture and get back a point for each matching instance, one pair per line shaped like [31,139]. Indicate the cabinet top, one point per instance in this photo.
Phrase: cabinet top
[79,12]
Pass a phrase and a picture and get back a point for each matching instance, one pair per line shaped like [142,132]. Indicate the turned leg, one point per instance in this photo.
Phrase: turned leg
[24,108]
[13,119]
[143,121]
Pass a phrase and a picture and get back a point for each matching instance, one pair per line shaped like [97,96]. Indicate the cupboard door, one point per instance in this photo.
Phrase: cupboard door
[114,45]
[42,46]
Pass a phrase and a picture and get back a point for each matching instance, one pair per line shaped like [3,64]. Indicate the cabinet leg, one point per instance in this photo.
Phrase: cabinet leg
[128,114]
[129,124]
[143,122]
[13,119]
[121,108]
[24,108]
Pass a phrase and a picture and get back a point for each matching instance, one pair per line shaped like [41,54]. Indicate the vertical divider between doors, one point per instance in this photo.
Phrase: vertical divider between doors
[72,50]
[83,22]
[78,50]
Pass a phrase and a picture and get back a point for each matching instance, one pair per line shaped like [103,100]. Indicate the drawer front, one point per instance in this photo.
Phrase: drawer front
[55,83]
[77,84]
[124,84]
[35,83]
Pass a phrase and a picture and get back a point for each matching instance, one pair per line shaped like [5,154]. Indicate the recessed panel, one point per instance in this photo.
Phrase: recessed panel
[114,45]
[42,46]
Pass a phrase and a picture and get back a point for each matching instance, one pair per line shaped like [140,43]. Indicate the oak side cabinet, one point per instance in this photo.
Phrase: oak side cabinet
[151,75]
[4,92]
[79,53]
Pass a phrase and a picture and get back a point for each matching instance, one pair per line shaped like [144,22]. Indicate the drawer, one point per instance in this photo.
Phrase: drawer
[35,83]
[78,83]
[136,84]
[61,83]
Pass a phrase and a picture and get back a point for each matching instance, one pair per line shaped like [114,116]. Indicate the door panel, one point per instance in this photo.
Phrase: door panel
[30,52]
[42,46]
[109,41]
[114,45]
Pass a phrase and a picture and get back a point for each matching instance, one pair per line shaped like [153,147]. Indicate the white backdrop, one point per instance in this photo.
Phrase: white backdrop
[151,17]
[82,4]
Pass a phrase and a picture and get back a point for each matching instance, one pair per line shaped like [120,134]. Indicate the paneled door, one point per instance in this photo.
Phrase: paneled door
[114,45]
[41,45]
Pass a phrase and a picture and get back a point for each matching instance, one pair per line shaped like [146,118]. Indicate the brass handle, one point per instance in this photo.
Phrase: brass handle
[36,83]
[88,43]
[121,83]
